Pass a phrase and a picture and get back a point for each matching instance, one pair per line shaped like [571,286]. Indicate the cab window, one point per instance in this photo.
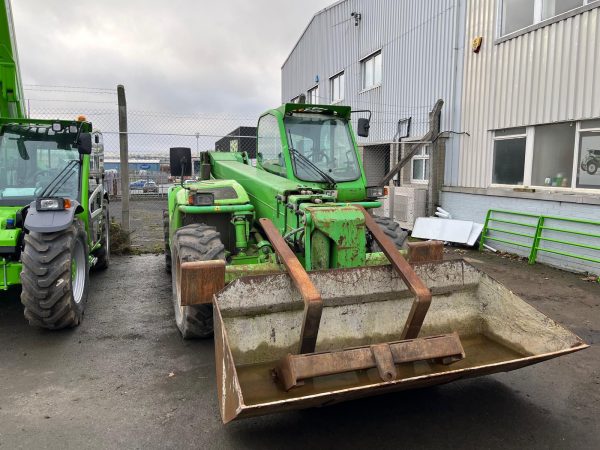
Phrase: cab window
[270,150]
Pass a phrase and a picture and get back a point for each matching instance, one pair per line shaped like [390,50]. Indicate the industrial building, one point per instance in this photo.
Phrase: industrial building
[135,165]
[519,76]
[242,139]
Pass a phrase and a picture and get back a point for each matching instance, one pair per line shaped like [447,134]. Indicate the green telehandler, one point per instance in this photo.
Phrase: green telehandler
[309,296]
[54,220]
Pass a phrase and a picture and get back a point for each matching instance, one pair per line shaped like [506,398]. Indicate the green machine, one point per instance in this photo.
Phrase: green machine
[310,299]
[308,181]
[53,208]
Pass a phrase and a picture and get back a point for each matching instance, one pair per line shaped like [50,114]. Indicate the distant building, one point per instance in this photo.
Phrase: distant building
[135,165]
[242,139]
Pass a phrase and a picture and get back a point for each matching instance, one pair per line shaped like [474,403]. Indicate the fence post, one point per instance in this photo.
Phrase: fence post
[436,163]
[124,157]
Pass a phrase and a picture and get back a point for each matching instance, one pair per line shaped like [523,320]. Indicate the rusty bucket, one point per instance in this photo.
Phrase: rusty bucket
[474,326]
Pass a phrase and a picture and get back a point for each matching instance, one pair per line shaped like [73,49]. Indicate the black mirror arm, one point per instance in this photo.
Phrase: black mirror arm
[183,162]
[362,111]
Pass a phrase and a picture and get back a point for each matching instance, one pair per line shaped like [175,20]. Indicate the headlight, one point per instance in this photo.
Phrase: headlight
[375,192]
[52,204]
[201,199]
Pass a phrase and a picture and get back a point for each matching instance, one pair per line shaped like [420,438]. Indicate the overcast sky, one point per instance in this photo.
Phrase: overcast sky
[174,56]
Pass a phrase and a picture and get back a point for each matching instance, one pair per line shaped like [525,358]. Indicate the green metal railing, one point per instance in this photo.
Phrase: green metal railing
[534,230]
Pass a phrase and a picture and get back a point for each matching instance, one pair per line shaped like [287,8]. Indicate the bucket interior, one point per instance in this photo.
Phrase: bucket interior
[260,319]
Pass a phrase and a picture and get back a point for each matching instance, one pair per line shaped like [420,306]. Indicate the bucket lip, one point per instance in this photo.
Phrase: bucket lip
[382,267]
[458,373]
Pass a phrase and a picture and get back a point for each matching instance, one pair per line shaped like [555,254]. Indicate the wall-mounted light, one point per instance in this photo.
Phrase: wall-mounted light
[357,16]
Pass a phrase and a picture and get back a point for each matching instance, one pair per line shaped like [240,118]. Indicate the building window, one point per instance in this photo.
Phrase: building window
[420,166]
[553,147]
[312,96]
[588,165]
[509,156]
[371,71]
[337,87]
[557,155]
[295,99]
[518,14]
[551,8]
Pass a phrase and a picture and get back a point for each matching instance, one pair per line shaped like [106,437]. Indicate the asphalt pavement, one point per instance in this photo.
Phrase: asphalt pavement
[125,379]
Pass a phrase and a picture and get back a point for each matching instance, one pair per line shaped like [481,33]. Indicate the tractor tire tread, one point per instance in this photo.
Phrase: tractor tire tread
[46,278]
[195,242]
[392,229]
[166,238]
[103,253]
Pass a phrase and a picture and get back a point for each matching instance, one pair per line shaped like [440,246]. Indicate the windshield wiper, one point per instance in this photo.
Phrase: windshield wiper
[308,163]
[57,182]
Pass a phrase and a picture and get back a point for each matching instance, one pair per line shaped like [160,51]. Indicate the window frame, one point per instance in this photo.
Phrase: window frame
[422,155]
[338,76]
[577,149]
[363,67]
[278,139]
[528,136]
[538,21]
[309,95]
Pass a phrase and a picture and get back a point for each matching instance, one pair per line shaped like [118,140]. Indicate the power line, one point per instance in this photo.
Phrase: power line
[56,86]
[56,100]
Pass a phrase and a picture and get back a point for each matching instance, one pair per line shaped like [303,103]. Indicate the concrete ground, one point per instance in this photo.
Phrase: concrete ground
[106,384]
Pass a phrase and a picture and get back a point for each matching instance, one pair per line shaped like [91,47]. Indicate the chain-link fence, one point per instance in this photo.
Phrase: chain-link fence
[151,134]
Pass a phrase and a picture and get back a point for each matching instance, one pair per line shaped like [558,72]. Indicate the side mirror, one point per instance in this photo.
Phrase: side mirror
[363,127]
[180,159]
[84,144]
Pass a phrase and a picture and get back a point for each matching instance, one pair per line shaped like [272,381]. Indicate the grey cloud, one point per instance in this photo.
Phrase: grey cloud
[178,56]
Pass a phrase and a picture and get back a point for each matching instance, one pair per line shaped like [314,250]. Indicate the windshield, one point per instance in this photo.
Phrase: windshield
[326,143]
[28,167]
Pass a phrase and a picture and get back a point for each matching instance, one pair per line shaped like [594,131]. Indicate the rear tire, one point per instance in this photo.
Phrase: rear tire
[166,237]
[196,242]
[103,253]
[391,229]
[55,277]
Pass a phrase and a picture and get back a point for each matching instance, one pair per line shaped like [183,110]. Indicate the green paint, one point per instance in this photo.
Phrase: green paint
[344,229]
[538,237]
[320,247]
[328,229]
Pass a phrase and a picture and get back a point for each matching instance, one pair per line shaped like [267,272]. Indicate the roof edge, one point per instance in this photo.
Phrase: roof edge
[318,13]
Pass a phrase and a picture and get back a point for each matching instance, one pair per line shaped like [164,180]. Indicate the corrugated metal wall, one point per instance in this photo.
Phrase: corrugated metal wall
[548,75]
[420,49]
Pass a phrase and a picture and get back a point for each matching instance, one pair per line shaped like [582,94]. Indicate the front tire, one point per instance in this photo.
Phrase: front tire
[391,229]
[55,277]
[103,253]
[166,237]
[196,242]
[592,167]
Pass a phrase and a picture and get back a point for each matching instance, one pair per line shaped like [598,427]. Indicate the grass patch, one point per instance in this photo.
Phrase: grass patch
[120,240]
